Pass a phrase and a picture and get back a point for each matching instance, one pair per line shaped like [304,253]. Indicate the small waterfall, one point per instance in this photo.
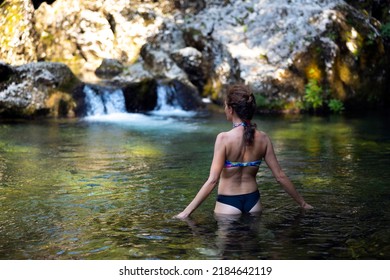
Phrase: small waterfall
[104,101]
[165,99]
[167,103]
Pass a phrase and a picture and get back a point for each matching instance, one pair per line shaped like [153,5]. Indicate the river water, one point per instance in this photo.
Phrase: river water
[107,187]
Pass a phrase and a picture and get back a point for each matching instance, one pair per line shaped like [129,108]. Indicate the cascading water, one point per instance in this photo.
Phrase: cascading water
[106,102]
[167,104]
[108,105]
[165,101]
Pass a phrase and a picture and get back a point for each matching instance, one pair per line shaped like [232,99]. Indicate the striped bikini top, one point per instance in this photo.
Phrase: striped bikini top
[229,164]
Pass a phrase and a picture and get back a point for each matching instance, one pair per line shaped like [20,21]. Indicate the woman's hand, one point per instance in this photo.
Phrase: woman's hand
[306,206]
[182,216]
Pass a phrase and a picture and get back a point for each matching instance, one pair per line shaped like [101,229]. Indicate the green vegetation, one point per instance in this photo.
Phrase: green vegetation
[385,30]
[331,35]
[250,9]
[264,103]
[315,97]
[264,57]
[261,101]
[335,105]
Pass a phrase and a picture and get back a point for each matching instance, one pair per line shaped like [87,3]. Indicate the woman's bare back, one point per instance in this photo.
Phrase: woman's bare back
[239,180]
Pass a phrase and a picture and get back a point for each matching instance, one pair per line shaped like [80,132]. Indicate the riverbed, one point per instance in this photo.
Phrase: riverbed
[107,188]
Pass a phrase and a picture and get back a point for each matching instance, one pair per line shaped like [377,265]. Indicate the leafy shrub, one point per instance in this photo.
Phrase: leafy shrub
[336,106]
[313,96]
[385,30]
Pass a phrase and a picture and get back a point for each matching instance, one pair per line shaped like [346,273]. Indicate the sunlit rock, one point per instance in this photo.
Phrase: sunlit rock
[38,89]
[277,47]
[18,37]
[109,68]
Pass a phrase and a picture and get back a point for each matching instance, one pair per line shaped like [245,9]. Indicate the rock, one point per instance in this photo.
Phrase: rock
[40,88]
[141,96]
[187,58]
[190,57]
[55,74]
[109,68]
[191,61]
[186,95]
[37,3]
[190,6]
[79,98]
[156,57]
[276,46]
[18,37]
[82,33]
[6,72]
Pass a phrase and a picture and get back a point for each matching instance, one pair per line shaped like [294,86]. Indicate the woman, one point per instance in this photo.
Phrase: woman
[237,156]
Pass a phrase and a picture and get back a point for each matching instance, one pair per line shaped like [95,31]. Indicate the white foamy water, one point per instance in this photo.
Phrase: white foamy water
[167,105]
[109,106]
[105,103]
[143,122]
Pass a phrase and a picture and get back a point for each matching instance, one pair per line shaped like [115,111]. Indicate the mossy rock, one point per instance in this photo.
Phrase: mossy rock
[37,89]
[185,95]
[141,96]
[109,68]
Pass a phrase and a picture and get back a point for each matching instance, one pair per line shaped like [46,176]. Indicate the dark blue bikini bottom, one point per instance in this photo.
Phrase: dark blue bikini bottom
[243,202]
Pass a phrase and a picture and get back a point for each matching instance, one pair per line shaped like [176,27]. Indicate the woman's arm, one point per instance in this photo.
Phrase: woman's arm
[208,186]
[280,176]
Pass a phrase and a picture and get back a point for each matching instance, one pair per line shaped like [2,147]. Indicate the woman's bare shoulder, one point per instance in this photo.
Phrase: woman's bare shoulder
[261,135]
[222,136]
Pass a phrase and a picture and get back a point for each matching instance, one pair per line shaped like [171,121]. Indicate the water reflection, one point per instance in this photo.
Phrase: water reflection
[88,189]
[238,234]
[250,236]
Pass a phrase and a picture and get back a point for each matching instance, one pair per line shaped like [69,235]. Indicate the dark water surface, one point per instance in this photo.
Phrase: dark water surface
[108,188]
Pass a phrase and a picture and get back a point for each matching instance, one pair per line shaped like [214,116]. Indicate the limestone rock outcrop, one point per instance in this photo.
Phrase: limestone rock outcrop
[278,47]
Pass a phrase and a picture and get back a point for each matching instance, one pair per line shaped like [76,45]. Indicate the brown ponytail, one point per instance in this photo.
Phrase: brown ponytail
[243,102]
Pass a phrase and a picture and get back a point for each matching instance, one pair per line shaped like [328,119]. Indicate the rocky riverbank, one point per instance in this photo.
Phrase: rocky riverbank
[296,55]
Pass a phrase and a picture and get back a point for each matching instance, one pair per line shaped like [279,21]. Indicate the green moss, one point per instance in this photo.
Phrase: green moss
[263,57]
[12,17]
[75,63]
[47,38]
[212,89]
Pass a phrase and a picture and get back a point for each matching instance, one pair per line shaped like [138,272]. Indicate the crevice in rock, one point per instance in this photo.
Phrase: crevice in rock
[37,3]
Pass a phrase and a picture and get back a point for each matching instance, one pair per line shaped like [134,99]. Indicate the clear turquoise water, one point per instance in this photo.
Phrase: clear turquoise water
[108,188]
